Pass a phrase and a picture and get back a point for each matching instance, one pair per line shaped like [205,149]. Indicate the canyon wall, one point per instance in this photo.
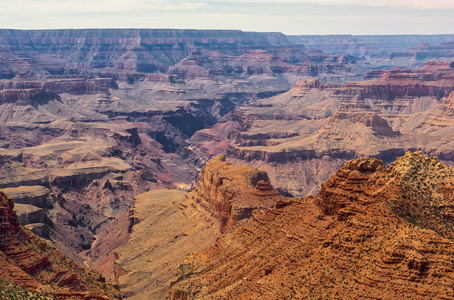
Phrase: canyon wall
[233,193]
[90,119]
[357,238]
[368,45]
[98,117]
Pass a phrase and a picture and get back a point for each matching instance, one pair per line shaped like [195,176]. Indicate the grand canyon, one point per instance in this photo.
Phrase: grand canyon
[225,164]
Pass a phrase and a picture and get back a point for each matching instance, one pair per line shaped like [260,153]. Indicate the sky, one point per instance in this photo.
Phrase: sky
[287,16]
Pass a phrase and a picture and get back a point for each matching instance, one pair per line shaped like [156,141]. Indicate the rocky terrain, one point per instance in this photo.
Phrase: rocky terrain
[83,178]
[91,118]
[167,225]
[97,117]
[382,50]
[96,124]
[29,262]
[232,193]
[371,232]
[303,136]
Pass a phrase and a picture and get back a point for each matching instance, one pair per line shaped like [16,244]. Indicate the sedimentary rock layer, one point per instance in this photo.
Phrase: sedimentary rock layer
[361,236]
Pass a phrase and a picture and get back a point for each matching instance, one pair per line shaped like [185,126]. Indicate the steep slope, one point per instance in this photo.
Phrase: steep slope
[146,50]
[167,225]
[369,233]
[30,262]
[90,172]
[96,117]
[232,193]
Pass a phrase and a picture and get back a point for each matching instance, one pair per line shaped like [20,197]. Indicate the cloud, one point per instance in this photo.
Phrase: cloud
[287,16]
[408,4]
[22,7]
[98,6]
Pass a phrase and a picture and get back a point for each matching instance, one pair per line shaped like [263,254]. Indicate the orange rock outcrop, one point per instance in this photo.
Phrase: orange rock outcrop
[371,232]
[232,193]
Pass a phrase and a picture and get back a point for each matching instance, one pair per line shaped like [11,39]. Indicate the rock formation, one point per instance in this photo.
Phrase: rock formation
[90,119]
[100,116]
[167,225]
[30,262]
[232,193]
[81,180]
[383,51]
[425,51]
[303,136]
[370,232]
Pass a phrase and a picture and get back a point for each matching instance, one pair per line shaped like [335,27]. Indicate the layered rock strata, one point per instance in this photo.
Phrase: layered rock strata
[233,193]
[303,136]
[384,51]
[100,116]
[368,45]
[370,232]
[30,262]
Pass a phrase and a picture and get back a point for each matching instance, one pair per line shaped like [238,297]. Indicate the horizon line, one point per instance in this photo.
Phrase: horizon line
[213,29]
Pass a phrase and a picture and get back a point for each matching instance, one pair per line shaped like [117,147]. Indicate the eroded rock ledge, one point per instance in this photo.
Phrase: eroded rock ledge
[232,193]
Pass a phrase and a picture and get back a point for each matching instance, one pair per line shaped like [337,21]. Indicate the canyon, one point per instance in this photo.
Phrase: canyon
[103,133]
[169,225]
[301,137]
[96,117]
